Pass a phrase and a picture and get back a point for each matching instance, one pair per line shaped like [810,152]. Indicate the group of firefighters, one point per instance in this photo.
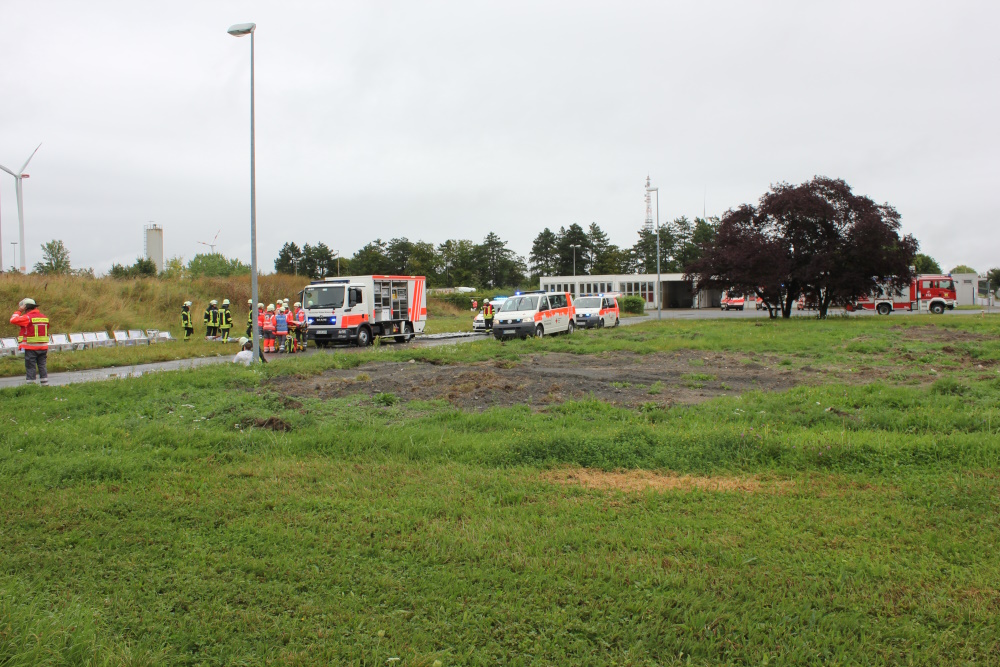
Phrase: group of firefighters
[280,328]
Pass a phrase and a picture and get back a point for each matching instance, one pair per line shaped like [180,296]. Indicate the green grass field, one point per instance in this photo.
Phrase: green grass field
[208,518]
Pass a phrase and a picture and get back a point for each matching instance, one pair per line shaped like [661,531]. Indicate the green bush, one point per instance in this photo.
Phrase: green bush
[635,305]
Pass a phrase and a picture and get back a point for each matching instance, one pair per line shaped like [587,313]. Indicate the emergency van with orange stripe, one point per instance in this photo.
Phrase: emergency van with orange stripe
[354,309]
[596,310]
[535,314]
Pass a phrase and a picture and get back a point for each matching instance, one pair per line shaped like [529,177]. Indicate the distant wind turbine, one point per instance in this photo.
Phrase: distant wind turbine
[20,204]
[213,243]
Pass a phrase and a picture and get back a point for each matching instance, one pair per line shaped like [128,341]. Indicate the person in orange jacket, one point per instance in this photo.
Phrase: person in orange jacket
[33,339]
[269,328]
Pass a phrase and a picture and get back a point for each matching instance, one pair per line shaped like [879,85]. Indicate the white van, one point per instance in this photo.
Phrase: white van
[535,314]
[598,310]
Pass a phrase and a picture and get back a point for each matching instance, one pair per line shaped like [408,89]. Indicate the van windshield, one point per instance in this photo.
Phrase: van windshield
[588,302]
[323,296]
[519,303]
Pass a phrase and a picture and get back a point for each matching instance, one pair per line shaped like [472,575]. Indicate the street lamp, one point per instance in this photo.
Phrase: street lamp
[574,246]
[239,30]
[656,292]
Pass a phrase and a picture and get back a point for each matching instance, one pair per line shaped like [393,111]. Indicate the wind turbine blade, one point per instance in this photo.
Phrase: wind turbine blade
[29,158]
[8,171]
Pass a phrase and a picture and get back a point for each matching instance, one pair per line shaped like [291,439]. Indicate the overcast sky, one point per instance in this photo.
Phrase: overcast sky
[437,120]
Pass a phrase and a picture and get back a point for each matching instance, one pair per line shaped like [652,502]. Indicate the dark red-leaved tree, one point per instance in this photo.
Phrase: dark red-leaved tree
[817,239]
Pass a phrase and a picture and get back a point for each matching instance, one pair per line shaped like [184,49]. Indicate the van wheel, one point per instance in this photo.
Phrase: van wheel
[569,328]
[600,323]
[616,321]
[364,337]
[539,331]
[407,333]
[884,309]
[937,308]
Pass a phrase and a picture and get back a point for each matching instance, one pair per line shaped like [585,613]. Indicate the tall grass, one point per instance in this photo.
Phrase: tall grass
[93,304]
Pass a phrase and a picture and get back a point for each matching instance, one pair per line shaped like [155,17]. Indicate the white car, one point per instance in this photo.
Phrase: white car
[479,323]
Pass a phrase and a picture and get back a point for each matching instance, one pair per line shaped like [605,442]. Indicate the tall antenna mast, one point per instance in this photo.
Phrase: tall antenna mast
[648,225]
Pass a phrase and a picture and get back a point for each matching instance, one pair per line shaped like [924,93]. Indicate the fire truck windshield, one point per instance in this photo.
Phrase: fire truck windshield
[323,296]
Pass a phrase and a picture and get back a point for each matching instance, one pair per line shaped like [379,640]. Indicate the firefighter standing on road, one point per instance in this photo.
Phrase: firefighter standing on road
[33,339]
[249,318]
[186,322]
[488,313]
[269,325]
[300,325]
[225,320]
[281,327]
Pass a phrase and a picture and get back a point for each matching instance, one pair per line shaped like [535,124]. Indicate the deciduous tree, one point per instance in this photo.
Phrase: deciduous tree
[818,238]
[55,259]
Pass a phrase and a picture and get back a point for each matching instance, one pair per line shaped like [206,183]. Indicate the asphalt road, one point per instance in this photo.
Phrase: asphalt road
[124,372]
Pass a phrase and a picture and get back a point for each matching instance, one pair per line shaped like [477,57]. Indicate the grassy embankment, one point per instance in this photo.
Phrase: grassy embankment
[79,304]
[151,522]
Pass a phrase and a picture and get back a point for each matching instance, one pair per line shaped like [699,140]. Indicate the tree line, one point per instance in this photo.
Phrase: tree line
[491,263]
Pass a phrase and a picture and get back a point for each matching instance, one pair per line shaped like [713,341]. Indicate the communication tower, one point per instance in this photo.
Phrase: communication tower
[152,246]
[648,225]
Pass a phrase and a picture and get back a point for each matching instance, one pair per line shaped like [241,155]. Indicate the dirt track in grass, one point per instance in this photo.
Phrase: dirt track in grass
[620,378]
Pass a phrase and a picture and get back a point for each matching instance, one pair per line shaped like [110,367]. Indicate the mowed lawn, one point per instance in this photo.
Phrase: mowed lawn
[209,518]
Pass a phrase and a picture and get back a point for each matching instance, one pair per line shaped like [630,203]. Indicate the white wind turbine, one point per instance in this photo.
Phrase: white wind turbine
[20,204]
[213,243]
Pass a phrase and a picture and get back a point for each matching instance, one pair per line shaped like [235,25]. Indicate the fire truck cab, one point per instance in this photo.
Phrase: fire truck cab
[356,308]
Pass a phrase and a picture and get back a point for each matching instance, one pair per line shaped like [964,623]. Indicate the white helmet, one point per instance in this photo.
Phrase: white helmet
[270,307]
[298,304]
[213,302]
[260,305]
[249,302]
[187,303]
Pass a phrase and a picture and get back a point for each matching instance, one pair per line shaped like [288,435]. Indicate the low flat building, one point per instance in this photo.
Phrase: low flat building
[673,291]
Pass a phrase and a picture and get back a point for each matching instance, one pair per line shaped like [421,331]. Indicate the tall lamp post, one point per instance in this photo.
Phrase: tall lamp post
[239,30]
[656,292]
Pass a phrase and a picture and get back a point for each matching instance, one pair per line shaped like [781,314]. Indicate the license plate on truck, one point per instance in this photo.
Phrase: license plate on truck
[508,332]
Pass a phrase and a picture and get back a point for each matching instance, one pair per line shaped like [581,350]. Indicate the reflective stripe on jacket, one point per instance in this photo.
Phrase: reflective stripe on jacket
[226,318]
[186,320]
[34,333]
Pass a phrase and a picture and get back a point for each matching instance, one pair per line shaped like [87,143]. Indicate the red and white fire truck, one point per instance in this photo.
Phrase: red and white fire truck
[732,301]
[927,292]
[356,308]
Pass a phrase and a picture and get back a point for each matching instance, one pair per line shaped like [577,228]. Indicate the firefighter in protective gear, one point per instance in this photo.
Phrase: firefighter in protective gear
[211,319]
[281,327]
[33,339]
[225,320]
[249,318]
[488,313]
[269,327]
[260,324]
[186,322]
[299,317]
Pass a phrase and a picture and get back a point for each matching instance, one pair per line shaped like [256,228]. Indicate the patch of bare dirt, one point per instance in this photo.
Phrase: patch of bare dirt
[271,423]
[632,481]
[620,378]
[931,333]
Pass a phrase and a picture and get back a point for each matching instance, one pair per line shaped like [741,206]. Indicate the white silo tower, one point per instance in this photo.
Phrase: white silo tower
[152,246]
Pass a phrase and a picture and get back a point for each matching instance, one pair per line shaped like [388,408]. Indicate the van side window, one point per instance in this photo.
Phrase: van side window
[543,305]
[558,300]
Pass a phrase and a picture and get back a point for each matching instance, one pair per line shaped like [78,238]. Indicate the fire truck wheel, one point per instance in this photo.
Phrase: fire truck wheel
[364,337]
[407,334]
[539,331]
[884,309]
[937,308]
